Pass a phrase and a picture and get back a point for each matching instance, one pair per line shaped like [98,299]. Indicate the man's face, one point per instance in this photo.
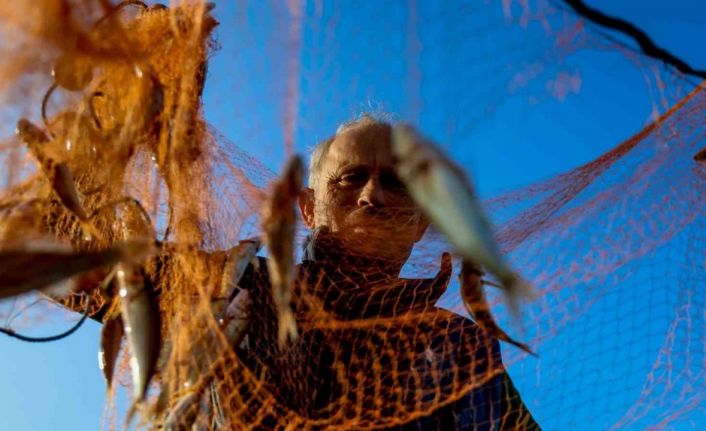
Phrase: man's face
[359,197]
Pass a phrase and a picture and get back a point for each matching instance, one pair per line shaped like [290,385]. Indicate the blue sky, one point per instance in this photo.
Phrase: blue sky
[444,68]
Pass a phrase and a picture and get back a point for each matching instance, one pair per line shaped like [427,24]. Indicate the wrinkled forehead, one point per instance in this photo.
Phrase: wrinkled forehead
[360,146]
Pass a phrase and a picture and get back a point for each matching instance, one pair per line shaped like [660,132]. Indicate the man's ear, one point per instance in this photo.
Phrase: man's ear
[421,227]
[306,206]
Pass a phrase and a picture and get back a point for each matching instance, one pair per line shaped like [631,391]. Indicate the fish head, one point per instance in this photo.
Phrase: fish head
[414,154]
[30,133]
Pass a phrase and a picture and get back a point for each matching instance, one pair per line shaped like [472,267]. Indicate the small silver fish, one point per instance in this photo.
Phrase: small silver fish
[476,304]
[63,183]
[279,225]
[39,264]
[112,334]
[59,175]
[442,190]
[141,319]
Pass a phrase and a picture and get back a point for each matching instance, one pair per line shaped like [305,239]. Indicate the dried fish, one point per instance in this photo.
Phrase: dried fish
[39,264]
[476,304]
[446,196]
[279,225]
[141,319]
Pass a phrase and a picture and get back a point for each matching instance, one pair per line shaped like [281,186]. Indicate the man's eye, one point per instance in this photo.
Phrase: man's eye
[352,179]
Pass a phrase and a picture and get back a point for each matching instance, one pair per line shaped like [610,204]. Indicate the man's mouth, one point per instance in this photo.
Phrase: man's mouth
[379,217]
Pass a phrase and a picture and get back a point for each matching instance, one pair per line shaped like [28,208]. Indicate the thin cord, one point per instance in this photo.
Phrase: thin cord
[627,28]
[11,333]
[45,100]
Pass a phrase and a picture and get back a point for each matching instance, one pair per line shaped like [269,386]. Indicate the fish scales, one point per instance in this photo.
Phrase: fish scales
[140,313]
[112,334]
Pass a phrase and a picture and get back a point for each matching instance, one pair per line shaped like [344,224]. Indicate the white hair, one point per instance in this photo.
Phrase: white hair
[319,152]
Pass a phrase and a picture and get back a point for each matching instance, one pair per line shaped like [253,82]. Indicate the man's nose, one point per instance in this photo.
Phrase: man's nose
[372,194]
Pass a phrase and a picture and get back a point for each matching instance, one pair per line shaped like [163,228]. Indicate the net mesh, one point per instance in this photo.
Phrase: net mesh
[614,248]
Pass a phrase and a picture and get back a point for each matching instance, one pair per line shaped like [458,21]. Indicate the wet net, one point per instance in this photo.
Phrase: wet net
[613,248]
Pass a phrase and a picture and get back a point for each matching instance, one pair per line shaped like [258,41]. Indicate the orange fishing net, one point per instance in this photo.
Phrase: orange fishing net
[606,245]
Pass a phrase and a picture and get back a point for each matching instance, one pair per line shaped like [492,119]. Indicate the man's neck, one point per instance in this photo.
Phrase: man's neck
[359,286]
[326,248]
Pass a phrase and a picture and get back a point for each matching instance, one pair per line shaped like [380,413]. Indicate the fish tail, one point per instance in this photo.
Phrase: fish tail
[137,405]
[131,414]
[503,336]
[109,393]
[287,327]
[522,346]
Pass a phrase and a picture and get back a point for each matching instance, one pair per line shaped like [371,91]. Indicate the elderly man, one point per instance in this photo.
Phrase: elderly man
[373,351]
